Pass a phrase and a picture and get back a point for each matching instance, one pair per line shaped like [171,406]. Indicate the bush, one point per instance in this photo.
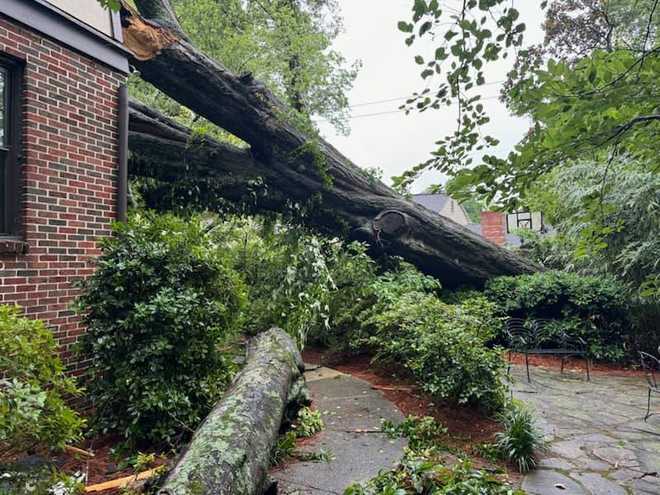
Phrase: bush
[444,346]
[521,441]
[161,303]
[33,386]
[287,273]
[422,473]
[41,481]
[422,433]
[591,307]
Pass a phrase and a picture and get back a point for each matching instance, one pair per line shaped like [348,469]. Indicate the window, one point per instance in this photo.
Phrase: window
[10,144]
[519,220]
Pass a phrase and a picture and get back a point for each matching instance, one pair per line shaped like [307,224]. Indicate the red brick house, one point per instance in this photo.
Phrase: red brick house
[63,140]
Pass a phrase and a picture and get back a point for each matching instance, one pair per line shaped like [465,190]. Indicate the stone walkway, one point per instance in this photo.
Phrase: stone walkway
[599,443]
[352,412]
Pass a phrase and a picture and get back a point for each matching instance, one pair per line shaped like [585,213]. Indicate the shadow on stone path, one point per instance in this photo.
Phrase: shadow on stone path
[349,406]
[599,443]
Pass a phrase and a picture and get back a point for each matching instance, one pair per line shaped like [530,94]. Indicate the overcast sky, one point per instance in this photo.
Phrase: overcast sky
[395,141]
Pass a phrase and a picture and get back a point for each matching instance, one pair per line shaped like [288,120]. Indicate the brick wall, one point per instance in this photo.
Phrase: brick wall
[69,178]
[493,227]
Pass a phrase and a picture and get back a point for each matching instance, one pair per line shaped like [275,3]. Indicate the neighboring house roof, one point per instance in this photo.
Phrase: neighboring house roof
[434,202]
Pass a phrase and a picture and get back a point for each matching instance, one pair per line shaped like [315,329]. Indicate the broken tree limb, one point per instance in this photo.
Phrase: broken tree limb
[306,170]
[230,452]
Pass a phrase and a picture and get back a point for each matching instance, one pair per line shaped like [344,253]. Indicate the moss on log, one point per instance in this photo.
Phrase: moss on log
[229,453]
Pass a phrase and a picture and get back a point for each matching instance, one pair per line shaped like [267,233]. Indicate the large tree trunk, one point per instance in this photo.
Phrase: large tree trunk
[230,452]
[309,171]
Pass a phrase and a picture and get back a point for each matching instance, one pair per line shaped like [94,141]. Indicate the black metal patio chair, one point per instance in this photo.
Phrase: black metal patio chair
[651,366]
[516,336]
[542,338]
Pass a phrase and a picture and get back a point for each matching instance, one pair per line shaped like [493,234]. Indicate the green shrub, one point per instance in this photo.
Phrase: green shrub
[286,270]
[521,441]
[591,307]
[41,481]
[444,346]
[308,424]
[33,386]
[161,303]
[354,274]
[364,293]
[421,432]
[421,473]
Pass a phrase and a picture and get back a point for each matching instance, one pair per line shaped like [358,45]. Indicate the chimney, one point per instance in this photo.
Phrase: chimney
[493,227]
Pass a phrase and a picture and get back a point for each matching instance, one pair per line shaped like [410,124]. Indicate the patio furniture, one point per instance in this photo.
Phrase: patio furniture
[651,366]
[539,337]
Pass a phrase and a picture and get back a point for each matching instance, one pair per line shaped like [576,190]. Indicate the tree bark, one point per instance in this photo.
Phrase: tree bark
[230,452]
[341,198]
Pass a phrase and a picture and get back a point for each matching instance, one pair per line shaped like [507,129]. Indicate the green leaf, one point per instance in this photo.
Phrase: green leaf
[405,27]
[425,28]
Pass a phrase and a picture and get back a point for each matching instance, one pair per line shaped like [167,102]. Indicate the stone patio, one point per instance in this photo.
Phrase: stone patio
[598,441]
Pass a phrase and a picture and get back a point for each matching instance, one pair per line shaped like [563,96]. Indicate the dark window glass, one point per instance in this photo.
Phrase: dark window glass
[10,144]
[4,145]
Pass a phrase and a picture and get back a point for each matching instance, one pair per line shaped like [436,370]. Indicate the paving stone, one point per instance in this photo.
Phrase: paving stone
[587,463]
[617,456]
[555,463]
[598,485]
[550,482]
[647,485]
[570,449]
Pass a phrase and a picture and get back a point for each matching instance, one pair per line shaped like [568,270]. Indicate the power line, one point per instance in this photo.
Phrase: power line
[389,100]
[388,112]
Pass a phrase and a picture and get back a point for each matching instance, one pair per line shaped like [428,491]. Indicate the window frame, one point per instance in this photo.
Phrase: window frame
[518,220]
[14,127]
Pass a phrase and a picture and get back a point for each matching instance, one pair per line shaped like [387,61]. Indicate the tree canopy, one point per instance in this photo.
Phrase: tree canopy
[286,44]
[590,89]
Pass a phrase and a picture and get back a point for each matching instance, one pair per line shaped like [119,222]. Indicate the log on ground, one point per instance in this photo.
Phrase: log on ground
[230,452]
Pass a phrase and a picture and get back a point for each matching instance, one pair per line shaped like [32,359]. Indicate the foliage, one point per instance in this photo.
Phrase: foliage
[309,423]
[110,4]
[589,92]
[33,386]
[590,307]
[444,346]
[608,220]
[287,272]
[604,102]
[421,473]
[422,432]
[354,274]
[285,44]
[42,481]
[159,306]
[521,441]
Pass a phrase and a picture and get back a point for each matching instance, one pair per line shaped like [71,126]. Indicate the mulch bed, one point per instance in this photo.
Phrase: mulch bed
[98,469]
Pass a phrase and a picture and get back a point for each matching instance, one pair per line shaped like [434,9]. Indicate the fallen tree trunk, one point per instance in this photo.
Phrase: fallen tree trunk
[308,171]
[230,452]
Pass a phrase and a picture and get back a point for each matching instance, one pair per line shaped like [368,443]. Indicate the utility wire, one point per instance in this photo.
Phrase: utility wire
[388,112]
[376,102]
